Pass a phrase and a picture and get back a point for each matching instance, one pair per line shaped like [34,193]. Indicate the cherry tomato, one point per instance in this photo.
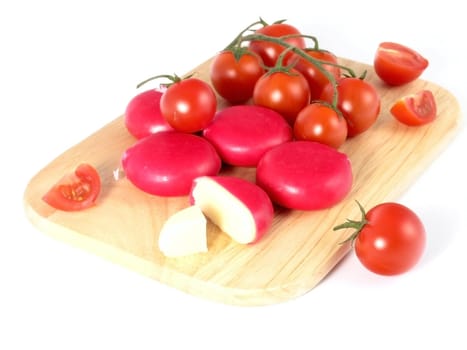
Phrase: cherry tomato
[358,100]
[75,191]
[320,123]
[390,240]
[316,79]
[270,51]
[234,78]
[415,110]
[189,105]
[285,92]
[397,64]
[143,114]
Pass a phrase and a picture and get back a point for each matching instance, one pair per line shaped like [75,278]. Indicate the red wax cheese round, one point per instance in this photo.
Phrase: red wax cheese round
[238,207]
[143,114]
[166,163]
[305,175]
[242,134]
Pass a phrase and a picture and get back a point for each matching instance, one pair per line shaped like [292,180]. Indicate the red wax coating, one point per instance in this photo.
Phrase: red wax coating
[242,134]
[166,163]
[143,115]
[305,175]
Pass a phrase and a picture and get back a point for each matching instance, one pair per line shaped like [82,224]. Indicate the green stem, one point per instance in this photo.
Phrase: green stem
[300,53]
[354,224]
[173,78]
[237,41]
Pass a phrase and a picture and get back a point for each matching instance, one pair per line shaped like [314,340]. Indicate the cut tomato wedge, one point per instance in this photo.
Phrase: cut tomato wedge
[75,191]
[415,110]
[397,64]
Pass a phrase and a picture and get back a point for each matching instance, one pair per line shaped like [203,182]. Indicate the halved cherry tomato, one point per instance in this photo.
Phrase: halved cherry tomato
[189,105]
[234,78]
[285,92]
[269,51]
[316,79]
[75,191]
[358,100]
[389,239]
[397,64]
[415,110]
[321,123]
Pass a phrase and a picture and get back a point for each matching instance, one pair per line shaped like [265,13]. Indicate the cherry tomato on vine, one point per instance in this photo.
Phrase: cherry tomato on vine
[389,240]
[414,110]
[284,92]
[189,105]
[358,100]
[321,123]
[75,191]
[316,79]
[268,51]
[397,64]
[234,78]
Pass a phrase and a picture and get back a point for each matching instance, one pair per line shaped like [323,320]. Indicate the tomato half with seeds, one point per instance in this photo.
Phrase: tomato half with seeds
[415,110]
[234,78]
[397,64]
[269,51]
[321,123]
[75,191]
[389,239]
[285,92]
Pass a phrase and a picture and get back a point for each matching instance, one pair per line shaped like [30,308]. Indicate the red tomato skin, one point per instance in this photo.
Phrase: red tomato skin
[320,123]
[242,134]
[393,240]
[285,93]
[315,78]
[397,64]
[233,79]
[415,110]
[268,51]
[76,191]
[189,105]
[166,163]
[143,114]
[305,175]
[359,102]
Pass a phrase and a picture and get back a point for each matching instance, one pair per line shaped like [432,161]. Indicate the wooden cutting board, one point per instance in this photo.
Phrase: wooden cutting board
[301,247]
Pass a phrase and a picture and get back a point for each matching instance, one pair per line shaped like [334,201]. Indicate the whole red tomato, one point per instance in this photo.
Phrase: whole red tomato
[320,123]
[234,78]
[284,92]
[390,238]
[317,80]
[270,51]
[358,100]
[189,105]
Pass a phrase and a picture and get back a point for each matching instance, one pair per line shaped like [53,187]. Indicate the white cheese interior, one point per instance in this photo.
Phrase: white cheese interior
[225,210]
[184,233]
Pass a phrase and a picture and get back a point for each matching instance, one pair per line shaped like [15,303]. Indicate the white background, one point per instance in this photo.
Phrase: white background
[67,68]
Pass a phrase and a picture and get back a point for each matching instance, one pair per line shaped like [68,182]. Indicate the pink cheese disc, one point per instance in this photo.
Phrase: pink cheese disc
[143,114]
[166,163]
[242,134]
[305,175]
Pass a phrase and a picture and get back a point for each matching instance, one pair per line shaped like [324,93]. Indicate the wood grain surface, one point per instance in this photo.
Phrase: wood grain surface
[301,247]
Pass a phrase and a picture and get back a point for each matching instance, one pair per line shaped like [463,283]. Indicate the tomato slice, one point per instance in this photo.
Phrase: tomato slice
[415,110]
[75,191]
[397,64]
